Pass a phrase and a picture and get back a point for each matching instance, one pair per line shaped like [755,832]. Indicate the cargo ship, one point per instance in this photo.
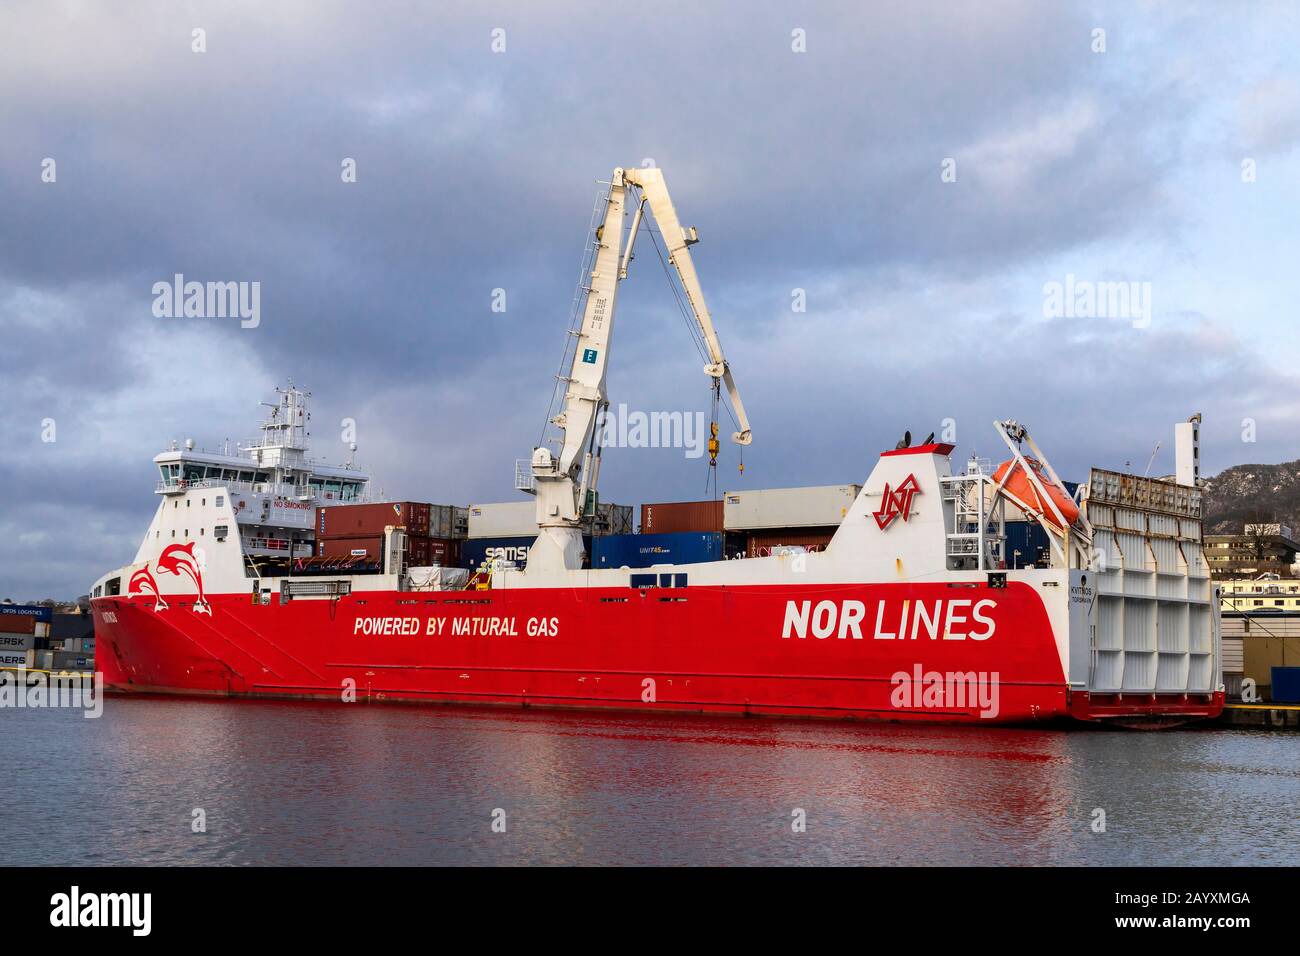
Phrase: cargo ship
[915,608]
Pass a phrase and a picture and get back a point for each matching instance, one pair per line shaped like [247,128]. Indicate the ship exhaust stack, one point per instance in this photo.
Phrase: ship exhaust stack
[1187,451]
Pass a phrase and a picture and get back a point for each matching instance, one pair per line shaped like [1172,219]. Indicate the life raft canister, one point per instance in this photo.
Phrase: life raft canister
[1022,489]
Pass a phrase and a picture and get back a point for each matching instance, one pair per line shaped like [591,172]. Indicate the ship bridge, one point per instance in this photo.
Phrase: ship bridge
[274,464]
[267,488]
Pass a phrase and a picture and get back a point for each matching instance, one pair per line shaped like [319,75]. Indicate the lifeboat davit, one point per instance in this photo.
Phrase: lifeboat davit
[1020,488]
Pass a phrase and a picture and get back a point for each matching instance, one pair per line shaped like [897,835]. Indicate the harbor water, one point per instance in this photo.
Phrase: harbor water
[192,781]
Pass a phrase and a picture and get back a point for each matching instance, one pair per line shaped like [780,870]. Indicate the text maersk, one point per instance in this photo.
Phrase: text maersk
[456,626]
[949,620]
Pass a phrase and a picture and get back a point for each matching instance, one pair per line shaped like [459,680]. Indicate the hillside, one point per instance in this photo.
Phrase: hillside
[1250,494]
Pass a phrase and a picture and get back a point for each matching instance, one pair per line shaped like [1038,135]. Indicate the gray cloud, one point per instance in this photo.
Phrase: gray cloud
[476,171]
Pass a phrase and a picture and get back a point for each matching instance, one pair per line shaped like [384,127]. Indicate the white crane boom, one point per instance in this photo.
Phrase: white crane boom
[678,241]
[563,482]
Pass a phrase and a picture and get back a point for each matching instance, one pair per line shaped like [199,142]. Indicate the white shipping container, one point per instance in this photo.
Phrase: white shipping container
[15,658]
[444,523]
[516,519]
[506,519]
[822,506]
[613,519]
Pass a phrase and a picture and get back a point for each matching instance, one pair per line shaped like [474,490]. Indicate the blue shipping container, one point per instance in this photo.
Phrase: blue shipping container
[643,550]
[1286,685]
[37,611]
[1027,537]
[474,551]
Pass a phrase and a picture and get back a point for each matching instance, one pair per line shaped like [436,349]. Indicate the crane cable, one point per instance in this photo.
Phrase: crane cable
[697,337]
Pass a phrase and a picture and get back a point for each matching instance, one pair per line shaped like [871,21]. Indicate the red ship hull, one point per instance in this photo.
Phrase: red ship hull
[702,649]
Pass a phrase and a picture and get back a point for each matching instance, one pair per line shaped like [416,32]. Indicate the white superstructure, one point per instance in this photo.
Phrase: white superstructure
[250,509]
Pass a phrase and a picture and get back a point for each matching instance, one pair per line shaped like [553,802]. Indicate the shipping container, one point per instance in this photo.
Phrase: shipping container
[17,658]
[18,625]
[17,642]
[72,625]
[475,551]
[777,508]
[442,522]
[72,661]
[507,519]
[360,546]
[417,517]
[761,543]
[1285,688]
[612,519]
[671,517]
[427,552]
[38,611]
[1029,538]
[643,550]
[515,519]
[421,551]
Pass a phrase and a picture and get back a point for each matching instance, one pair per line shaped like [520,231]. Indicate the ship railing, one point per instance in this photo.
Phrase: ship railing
[524,479]
[281,489]
[278,545]
[977,518]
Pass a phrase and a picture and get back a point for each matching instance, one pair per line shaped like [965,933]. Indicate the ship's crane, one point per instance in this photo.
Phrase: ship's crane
[563,483]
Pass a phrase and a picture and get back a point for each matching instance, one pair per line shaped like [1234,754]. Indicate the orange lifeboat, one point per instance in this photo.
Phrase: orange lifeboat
[1025,494]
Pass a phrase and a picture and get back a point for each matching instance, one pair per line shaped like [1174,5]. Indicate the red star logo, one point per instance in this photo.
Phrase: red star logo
[897,503]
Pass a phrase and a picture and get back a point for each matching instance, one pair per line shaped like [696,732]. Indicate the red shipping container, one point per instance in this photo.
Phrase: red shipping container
[352,521]
[814,539]
[421,551]
[425,552]
[672,517]
[17,624]
[372,545]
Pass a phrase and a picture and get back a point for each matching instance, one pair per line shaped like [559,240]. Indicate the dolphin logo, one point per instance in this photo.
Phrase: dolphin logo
[179,558]
[142,582]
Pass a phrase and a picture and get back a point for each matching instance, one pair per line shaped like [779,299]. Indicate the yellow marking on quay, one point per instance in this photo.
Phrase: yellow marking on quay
[1262,706]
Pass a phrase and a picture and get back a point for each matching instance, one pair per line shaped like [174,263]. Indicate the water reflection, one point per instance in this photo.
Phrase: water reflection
[313,783]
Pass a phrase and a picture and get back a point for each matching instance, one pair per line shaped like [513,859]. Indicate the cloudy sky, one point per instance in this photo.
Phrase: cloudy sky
[814,150]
